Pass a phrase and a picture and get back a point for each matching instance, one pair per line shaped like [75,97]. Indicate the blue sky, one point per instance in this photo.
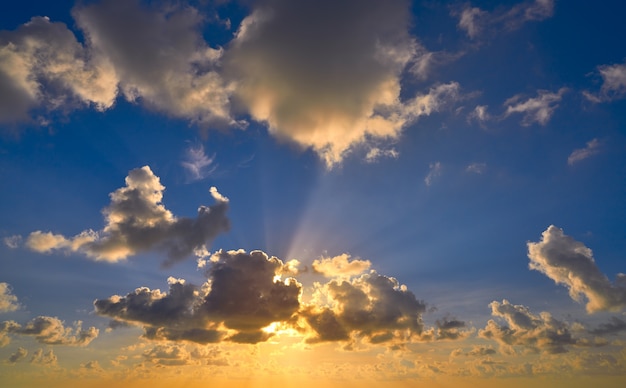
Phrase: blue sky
[433,143]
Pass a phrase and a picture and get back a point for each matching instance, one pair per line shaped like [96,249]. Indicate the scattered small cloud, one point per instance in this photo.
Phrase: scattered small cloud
[137,221]
[479,114]
[592,148]
[433,172]
[47,358]
[50,331]
[613,84]
[197,164]
[19,355]
[12,242]
[340,266]
[476,168]
[535,110]
[375,154]
[571,263]
[8,301]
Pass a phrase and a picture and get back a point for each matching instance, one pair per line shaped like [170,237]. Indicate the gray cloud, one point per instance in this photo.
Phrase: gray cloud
[476,22]
[137,221]
[571,263]
[613,84]
[19,355]
[614,326]
[535,110]
[522,328]
[46,359]
[51,331]
[8,301]
[592,148]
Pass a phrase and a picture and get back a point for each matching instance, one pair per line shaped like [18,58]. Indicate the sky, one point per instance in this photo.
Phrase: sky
[329,193]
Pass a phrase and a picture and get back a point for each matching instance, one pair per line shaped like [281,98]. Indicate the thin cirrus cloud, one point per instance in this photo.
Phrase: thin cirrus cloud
[434,171]
[571,263]
[476,22]
[535,109]
[197,163]
[137,221]
[592,148]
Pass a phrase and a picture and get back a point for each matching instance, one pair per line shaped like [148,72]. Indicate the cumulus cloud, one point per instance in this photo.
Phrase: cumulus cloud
[159,57]
[449,328]
[8,301]
[434,171]
[19,355]
[476,22]
[614,326]
[613,84]
[340,266]
[535,110]
[244,294]
[42,65]
[137,221]
[522,328]
[592,148]
[328,88]
[197,164]
[571,263]
[51,331]
[46,359]
[371,306]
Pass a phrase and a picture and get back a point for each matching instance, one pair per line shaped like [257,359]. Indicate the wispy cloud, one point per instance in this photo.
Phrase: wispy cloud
[592,148]
[613,84]
[476,168]
[197,164]
[535,110]
[434,171]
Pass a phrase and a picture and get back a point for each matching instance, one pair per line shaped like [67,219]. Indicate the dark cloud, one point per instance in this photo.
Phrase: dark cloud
[450,328]
[571,263]
[19,355]
[522,328]
[614,326]
[137,221]
[51,331]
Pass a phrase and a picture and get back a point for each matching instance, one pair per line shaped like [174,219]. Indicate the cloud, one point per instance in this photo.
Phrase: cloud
[340,266]
[479,114]
[592,148]
[46,359]
[613,327]
[476,22]
[375,153]
[449,328]
[19,355]
[137,221]
[331,88]
[244,294]
[370,306]
[8,301]
[476,168]
[433,172]
[51,331]
[533,332]
[159,57]
[613,84]
[12,242]
[42,65]
[197,164]
[571,263]
[535,110]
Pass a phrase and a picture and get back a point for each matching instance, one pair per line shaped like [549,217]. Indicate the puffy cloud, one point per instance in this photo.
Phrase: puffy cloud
[51,331]
[535,110]
[373,306]
[451,329]
[159,57]
[340,266]
[328,88]
[8,301]
[571,263]
[592,148]
[43,65]
[434,171]
[244,294]
[46,359]
[168,355]
[197,164]
[19,355]
[613,84]
[137,221]
[475,21]
[523,328]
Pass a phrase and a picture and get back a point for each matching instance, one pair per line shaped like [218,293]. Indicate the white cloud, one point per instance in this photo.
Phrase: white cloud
[137,221]
[535,110]
[12,242]
[433,172]
[475,22]
[613,84]
[340,266]
[479,114]
[592,148]
[476,168]
[197,164]
[8,301]
[571,263]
